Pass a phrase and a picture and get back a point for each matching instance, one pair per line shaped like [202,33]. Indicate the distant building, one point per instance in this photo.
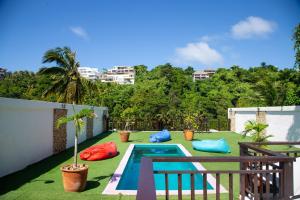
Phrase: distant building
[203,74]
[89,73]
[2,73]
[119,74]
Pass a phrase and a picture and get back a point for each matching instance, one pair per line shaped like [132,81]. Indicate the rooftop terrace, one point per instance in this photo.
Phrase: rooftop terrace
[43,179]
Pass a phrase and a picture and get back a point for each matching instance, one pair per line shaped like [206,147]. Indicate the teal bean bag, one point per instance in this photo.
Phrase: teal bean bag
[219,146]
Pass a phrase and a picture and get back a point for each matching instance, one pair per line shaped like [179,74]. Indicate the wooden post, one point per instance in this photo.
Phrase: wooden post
[243,166]
[288,183]
[146,186]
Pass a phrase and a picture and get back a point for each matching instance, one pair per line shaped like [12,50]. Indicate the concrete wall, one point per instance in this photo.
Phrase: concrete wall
[27,133]
[284,122]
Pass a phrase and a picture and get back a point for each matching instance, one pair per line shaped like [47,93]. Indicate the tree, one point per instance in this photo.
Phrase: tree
[256,131]
[67,82]
[296,38]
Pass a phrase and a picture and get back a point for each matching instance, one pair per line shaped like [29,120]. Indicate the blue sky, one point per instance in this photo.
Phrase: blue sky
[105,33]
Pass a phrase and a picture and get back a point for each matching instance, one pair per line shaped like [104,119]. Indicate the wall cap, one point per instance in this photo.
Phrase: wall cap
[266,109]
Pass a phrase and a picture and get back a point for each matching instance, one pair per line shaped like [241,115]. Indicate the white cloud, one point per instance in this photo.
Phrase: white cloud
[80,32]
[198,53]
[252,27]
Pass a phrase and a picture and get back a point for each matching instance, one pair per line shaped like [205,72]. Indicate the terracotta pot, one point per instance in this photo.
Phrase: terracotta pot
[188,135]
[74,180]
[124,136]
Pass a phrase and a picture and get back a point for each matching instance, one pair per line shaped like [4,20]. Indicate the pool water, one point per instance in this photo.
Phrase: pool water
[129,178]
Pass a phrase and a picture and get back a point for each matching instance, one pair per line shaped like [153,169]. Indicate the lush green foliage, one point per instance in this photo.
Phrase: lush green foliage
[167,93]
[256,131]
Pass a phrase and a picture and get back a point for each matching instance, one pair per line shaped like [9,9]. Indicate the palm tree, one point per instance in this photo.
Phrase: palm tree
[79,123]
[67,83]
[256,131]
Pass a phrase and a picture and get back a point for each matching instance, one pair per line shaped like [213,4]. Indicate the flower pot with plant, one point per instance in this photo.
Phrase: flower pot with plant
[124,134]
[127,116]
[75,175]
[190,124]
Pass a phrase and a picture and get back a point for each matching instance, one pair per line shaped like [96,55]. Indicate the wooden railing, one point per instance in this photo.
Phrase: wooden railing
[252,148]
[268,175]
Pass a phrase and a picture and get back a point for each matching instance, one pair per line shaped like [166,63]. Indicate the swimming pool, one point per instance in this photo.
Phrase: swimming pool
[125,179]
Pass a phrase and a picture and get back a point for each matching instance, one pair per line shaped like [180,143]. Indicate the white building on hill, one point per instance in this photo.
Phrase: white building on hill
[119,74]
[89,73]
[203,74]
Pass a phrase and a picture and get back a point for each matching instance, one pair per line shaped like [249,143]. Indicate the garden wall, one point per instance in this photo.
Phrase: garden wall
[29,134]
[283,121]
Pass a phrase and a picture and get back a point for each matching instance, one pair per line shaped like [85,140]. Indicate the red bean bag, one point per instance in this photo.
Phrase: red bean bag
[99,152]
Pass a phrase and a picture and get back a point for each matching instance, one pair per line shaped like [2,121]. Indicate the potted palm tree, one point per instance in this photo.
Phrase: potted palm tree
[75,175]
[126,115]
[256,131]
[68,87]
[190,124]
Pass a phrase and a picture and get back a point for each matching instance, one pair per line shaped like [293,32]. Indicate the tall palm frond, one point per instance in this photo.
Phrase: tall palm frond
[67,83]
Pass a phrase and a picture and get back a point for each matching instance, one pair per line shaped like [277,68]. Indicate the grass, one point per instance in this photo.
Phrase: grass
[43,179]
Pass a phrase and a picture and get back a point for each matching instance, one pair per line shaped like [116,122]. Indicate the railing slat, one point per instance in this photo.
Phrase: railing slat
[267,186]
[255,180]
[242,186]
[230,187]
[274,184]
[261,180]
[192,187]
[179,186]
[281,186]
[217,186]
[204,186]
[167,186]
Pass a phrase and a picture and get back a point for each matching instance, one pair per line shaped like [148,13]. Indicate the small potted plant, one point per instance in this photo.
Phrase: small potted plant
[75,175]
[126,115]
[190,124]
[125,133]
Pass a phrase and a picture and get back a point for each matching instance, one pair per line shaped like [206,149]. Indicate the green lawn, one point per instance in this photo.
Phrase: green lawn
[43,180]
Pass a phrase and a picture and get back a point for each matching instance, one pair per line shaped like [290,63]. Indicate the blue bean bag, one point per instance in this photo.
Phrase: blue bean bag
[161,136]
[220,146]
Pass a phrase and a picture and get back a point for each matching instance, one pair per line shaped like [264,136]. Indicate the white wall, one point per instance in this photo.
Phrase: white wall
[26,131]
[283,121]
[243,117]
[280,124]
